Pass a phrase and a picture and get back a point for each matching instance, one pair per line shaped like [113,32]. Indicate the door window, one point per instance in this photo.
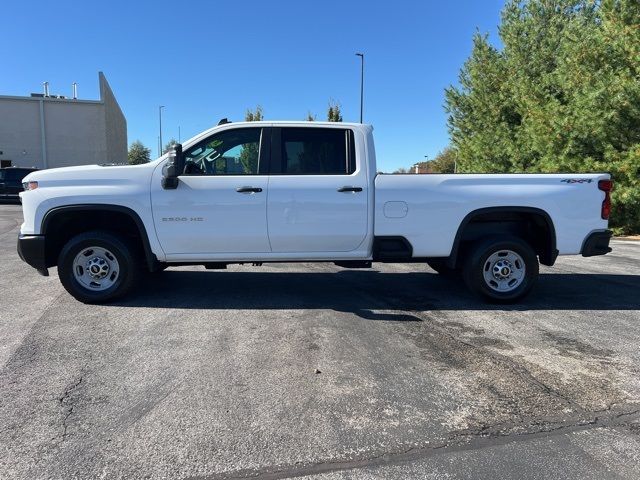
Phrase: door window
[231,152]
[316,151]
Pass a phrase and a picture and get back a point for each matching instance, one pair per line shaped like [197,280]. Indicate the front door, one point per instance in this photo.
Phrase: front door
[220,204]
[317,191]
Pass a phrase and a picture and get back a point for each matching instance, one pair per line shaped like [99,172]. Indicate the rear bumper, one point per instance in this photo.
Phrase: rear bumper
[31,249]
[597,243]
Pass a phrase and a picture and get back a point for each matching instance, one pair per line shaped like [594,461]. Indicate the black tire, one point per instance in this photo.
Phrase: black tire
[477,263]
[440,266]
[128,274]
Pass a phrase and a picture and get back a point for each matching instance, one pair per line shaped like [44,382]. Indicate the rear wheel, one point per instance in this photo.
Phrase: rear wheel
[96,267]
[502,270]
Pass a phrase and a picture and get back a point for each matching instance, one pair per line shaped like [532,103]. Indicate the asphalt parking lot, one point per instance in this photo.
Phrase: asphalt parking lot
[310,369]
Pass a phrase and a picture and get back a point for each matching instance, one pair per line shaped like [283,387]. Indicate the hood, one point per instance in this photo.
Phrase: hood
[90,174]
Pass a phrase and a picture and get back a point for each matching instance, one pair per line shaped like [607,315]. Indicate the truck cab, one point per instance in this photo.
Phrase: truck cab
[287,190]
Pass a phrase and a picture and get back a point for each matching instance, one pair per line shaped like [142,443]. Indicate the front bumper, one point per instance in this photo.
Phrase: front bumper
[597,243]
[31,249]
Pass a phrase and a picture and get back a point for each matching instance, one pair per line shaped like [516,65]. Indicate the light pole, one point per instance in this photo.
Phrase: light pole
[160,117]
[417,164]
[361,55]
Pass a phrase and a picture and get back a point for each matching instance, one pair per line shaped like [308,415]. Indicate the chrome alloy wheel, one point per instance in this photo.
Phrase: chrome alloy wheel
[504,271]
[96,268]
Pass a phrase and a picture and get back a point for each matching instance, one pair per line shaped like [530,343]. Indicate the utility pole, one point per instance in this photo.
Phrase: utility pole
[160,117]
[361,55]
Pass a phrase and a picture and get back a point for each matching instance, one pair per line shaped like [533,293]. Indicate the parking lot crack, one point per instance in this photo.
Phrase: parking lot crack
[67,402]
[465,440]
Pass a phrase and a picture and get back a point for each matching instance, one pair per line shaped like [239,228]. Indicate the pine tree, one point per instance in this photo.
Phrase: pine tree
[138,153]
[334,114]
[563,95]
[254,116]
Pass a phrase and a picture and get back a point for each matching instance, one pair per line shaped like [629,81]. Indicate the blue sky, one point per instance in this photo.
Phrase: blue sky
[211,59]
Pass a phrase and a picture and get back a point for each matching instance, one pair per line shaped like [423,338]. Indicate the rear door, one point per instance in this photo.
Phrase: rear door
[318,196]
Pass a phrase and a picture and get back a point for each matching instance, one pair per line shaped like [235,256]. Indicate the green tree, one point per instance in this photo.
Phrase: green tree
[169,145]
[334,114]
[311,117]
[250,151]
[445,162]
[256,115]
[562,95]
[138,153]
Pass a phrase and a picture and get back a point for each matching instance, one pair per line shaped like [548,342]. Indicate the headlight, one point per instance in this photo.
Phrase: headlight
[29,185]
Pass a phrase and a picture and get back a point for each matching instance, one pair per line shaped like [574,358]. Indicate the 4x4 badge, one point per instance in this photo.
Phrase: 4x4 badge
[576,180]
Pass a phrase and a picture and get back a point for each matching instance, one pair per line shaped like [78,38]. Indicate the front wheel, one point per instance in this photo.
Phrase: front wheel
[96,267]
[502,270]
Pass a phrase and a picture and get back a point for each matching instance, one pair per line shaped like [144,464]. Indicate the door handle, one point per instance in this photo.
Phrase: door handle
[248,189]
[350,189]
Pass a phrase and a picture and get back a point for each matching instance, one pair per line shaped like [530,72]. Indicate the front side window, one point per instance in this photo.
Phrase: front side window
[231,152]
[314,151]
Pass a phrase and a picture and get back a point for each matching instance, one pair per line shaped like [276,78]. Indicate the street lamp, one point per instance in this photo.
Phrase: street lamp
[418,164]
[160,117]
[361,55]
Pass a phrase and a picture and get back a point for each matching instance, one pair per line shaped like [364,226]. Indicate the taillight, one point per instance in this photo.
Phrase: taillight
[606,186]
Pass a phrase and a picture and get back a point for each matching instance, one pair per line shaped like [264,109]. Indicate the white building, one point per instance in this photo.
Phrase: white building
[46,131]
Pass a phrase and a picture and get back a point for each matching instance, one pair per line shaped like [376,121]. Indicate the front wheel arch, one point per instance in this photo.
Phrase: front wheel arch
[60,224]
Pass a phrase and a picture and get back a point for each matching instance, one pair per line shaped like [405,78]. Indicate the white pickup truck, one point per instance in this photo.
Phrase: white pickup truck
[302,191]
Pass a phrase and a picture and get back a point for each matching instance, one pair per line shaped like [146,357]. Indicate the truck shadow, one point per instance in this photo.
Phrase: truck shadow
[362,292]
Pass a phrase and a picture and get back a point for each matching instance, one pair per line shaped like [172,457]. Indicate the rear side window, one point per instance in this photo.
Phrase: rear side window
[316,151]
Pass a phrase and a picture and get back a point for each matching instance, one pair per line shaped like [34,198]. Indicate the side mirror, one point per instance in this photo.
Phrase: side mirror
[173,168]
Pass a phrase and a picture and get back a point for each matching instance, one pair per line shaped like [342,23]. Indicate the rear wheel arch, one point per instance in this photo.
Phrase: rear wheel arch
[533,225]
[60,224]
